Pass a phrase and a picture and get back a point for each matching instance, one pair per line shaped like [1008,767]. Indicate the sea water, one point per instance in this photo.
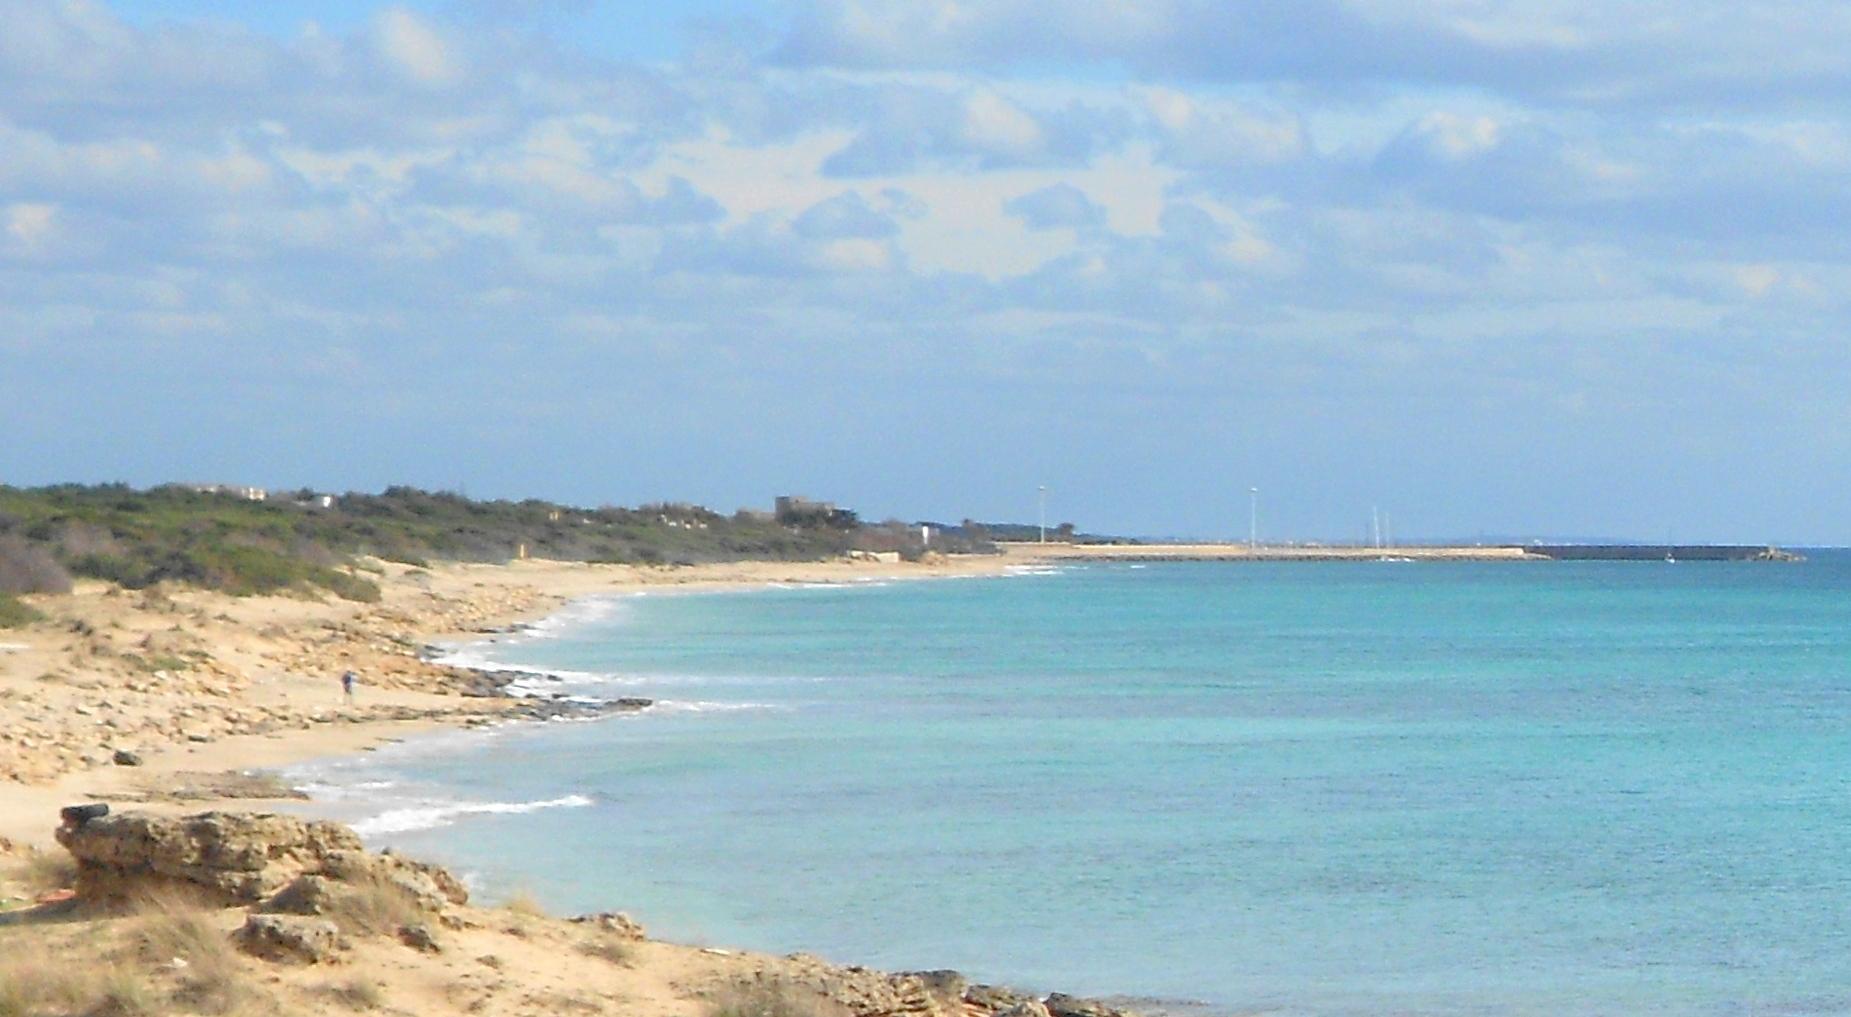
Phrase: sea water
[1305,788]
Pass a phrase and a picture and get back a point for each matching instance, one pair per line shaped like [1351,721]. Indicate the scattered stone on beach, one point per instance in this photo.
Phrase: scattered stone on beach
[307,894]
[615,922]
[419,937]
[1060,1004]
[289,938]
[123,757]
[993,998]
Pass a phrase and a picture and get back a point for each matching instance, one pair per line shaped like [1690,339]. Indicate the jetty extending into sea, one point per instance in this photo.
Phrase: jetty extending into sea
[1143,552]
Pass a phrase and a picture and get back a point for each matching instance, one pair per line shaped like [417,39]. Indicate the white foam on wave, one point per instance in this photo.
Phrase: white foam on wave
[709,706]
[322,790]
[580,611]
[476,656]
[430,815]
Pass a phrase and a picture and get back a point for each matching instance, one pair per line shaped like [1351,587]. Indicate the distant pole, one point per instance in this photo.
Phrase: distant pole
[1253,518]
[1375,525]
[1043,491]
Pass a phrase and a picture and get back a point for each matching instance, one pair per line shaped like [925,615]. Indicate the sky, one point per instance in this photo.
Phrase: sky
[1516,268]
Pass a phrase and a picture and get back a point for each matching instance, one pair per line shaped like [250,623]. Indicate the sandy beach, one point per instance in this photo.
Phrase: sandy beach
[190,685]
[172,703]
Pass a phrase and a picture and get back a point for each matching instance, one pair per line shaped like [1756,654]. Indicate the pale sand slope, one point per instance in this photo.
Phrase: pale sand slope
[202,683]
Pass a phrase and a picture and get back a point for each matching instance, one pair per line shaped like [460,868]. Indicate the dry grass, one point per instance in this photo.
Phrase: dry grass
[357,994]
[44,871]
[525,904]
[373,906]
[616,951]
[752,997]
[33,981]
[175,930]
[122,992]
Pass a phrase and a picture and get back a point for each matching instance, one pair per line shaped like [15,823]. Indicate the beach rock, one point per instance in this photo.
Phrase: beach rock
[289,938]
[615,922]
[431,887]
[1060,1004]
[994,998]
[418,936]
[1024,1008]
[237,858]
[944,983]
[307,894]
[78,815]
[124,757]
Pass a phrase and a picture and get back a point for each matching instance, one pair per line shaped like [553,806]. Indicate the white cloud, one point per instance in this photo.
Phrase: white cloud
[420,187]
[1458,137]
[996,124]
[415,49]
[31,224]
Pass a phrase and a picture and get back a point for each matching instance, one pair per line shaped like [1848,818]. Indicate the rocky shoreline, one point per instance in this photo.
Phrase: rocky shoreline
[273,906]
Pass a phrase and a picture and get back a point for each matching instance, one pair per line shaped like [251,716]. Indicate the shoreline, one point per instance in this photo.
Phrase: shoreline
[197,682]
[235,773]
[251,683]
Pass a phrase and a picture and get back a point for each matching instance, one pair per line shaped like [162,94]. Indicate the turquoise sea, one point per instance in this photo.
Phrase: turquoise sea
[1299,788]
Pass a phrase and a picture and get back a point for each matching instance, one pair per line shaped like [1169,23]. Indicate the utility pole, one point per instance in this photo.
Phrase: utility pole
[1043,491]
[1253,519]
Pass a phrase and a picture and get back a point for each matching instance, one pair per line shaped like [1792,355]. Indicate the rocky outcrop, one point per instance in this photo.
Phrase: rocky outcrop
[289,938]
[615,922]
[234,858]
[1062,1005]
[241,859]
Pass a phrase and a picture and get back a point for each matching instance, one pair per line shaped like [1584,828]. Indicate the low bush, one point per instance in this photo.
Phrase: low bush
[176,927]
[15,615]
[26,568]
[610,949]
[33,981]
[347,587]
[44,871]
[525,904]
[373,906]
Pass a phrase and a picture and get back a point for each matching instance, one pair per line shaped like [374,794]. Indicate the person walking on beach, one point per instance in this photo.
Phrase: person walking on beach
[347,683]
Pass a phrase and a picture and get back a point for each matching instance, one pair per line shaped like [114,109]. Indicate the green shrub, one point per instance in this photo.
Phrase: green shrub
[14,614]
[347,587]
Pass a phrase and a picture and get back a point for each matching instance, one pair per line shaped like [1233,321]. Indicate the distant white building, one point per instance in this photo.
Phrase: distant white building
[233,491]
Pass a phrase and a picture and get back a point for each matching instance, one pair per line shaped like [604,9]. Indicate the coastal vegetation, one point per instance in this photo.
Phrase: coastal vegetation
[14,614]
[224,539]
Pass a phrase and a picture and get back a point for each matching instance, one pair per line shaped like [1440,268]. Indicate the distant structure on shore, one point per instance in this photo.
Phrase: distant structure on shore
[231,490]
[796,505]
[1661,552]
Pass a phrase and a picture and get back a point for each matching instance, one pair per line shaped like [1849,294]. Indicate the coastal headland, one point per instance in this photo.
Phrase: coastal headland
[170,701]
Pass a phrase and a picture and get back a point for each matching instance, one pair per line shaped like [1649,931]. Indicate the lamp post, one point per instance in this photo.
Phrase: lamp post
[1042,490]
[1253,519]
